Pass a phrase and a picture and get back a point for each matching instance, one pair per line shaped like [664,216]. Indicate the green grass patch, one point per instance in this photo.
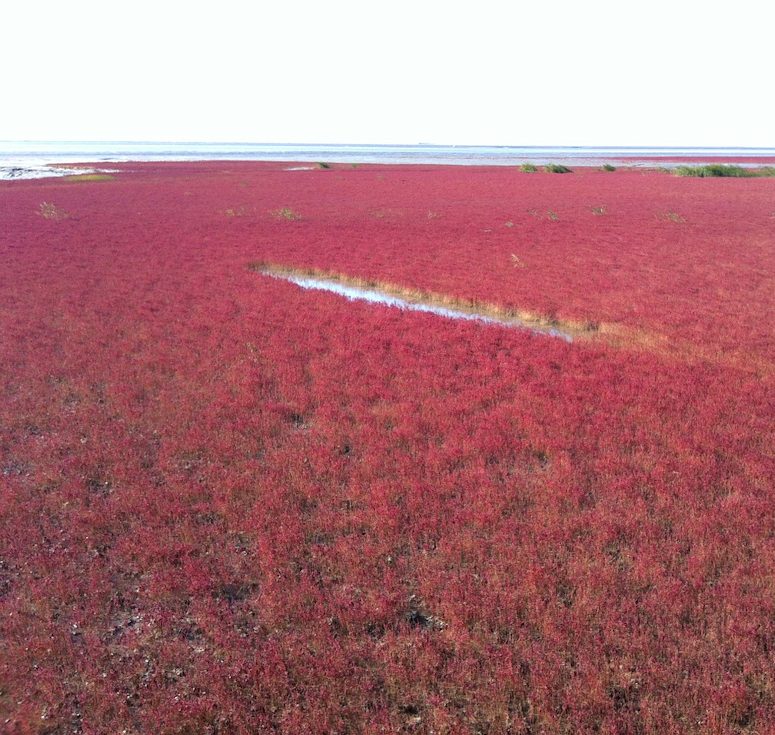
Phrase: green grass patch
[557,168]
[82,178]
[725,170]
[608,167]
[322,164]
[528,168]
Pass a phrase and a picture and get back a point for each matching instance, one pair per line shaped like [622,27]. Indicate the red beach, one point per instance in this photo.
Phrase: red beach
[233,505]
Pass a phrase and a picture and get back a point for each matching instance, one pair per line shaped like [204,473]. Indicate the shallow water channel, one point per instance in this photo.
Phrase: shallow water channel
[374,296]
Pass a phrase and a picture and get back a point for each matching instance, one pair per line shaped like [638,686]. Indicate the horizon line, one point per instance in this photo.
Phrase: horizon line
[390,145]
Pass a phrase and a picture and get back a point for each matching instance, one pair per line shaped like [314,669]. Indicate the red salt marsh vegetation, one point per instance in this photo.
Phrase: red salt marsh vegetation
[230,505]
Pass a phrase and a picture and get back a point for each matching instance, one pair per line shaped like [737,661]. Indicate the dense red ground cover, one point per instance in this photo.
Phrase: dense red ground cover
[229,505]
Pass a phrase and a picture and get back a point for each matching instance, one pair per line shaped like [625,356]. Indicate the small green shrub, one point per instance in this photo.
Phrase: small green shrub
[528,168]
[608,167]
[725,169]
[713,169]
[557,168]
[321,164]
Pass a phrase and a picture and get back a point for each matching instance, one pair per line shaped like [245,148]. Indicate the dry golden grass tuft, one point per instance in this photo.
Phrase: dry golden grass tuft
[550,214]
[85,178]
[672,217]
[641,340]
[47,210]
[285,213]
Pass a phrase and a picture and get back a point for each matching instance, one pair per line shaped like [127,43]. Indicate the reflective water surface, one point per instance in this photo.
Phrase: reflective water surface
[378,297]
[34,155]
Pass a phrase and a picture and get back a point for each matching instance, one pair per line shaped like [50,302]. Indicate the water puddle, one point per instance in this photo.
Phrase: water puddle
[40,171]
[375,296]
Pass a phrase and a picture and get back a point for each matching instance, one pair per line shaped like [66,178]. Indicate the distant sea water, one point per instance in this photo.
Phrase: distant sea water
[38,159]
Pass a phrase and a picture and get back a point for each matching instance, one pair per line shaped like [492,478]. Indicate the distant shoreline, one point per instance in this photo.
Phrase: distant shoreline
[21,165]
[34,155]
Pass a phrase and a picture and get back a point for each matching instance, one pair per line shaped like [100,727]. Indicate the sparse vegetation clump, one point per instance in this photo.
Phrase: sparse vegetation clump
[724,169]
[47,210]
[550,214]
[322,164]
[528,168]
[78,178]
[557,168]
[673,217]
[608,167]
[713,169]
[286,213]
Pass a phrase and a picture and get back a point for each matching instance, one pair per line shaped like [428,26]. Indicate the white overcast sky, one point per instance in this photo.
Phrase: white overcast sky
[596,72]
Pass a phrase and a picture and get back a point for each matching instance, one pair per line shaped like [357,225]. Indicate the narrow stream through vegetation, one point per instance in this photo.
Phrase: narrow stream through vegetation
[355,293]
